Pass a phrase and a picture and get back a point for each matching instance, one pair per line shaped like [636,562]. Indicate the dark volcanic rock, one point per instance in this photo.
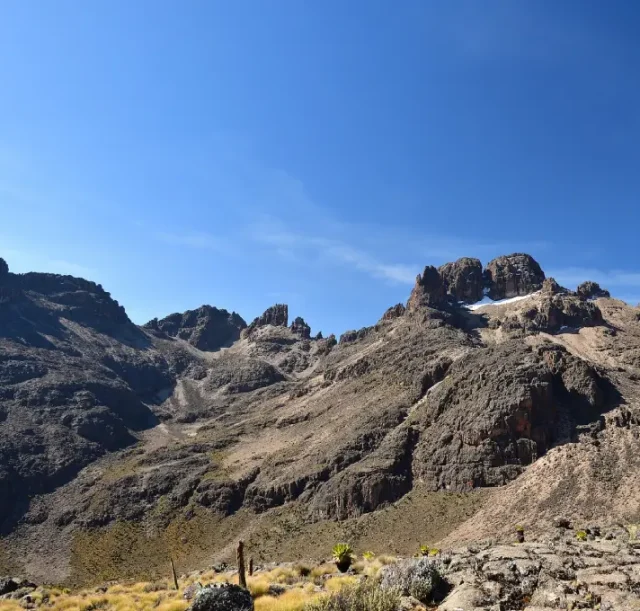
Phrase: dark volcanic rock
[512,275]
[592,290]
[429,290]
[463,279]
[206,328]
[4,269]
[501,408]
[301,328]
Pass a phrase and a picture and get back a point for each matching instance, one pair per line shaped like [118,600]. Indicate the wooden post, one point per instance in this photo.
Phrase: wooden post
[251,567]
[242,578]
[173,572]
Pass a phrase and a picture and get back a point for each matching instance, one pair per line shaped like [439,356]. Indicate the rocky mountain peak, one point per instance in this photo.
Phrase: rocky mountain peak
[206,328]
[513,275]
[277,315]
[429,290]
[463,279]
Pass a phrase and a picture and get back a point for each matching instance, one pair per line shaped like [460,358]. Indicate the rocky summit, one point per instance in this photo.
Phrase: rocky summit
[453,419]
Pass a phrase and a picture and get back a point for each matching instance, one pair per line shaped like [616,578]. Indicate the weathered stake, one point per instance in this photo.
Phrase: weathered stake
[250,567]
[173,572]
[242,578]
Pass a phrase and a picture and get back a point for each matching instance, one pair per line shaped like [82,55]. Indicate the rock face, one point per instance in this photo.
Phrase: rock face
[206,328]
[395,311]
[301,328]
[500,410]
[463,279]
[429,290]
[513,275]
[277,316]
[592,290]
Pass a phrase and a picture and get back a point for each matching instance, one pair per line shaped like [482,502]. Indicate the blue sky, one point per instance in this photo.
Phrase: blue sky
[316,153]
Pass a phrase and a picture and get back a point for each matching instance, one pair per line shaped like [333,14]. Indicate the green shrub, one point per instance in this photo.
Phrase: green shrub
[581,535]
[342,556]
[366,596]
[368,555]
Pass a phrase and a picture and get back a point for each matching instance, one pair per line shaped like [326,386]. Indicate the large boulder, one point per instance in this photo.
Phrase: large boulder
[513,275]
[463,279]
[592,290]
[429,290]
[222,597]
[206,328]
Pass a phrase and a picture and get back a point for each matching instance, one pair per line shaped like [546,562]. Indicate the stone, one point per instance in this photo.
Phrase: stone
[463,279]
[551,287]
[222,597]
[591,290]
[429,290]
[277,316]
[4,269]
[513,275]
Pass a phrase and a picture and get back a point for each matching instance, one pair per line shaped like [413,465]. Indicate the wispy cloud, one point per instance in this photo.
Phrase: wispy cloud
[198,240]
[316,249]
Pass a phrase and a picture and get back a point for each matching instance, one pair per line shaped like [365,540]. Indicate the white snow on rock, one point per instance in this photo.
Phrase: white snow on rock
[485,301]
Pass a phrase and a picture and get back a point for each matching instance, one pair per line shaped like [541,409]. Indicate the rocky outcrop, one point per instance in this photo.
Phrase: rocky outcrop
[429,290]
[206,328]
[393,312]
[277,316]
[499,410]
[592,290]
[559,311]
[355,335]
[512,275]
[301,328]
[463,279]
[559,571]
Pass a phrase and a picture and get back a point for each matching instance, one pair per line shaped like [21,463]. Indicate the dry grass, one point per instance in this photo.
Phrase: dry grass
[313,584]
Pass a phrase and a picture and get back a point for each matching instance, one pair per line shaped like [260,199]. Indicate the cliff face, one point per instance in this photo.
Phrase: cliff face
[199,417]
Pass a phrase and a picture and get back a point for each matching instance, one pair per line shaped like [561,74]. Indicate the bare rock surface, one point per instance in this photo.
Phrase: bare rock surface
[513,275]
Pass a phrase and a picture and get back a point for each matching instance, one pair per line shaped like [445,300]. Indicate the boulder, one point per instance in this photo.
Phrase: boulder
[592,290]
[513,275]
[222,597]
[429,290]
[463,279]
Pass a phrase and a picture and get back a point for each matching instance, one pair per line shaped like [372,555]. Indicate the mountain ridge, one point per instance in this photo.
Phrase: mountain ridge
[200,418]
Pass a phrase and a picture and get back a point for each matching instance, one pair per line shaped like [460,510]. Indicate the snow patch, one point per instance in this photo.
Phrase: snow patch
[485,301]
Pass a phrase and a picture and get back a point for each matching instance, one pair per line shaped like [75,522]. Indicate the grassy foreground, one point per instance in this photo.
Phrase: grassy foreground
[297,585]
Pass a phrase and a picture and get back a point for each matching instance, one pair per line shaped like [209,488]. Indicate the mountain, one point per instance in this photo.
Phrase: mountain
[493,397]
